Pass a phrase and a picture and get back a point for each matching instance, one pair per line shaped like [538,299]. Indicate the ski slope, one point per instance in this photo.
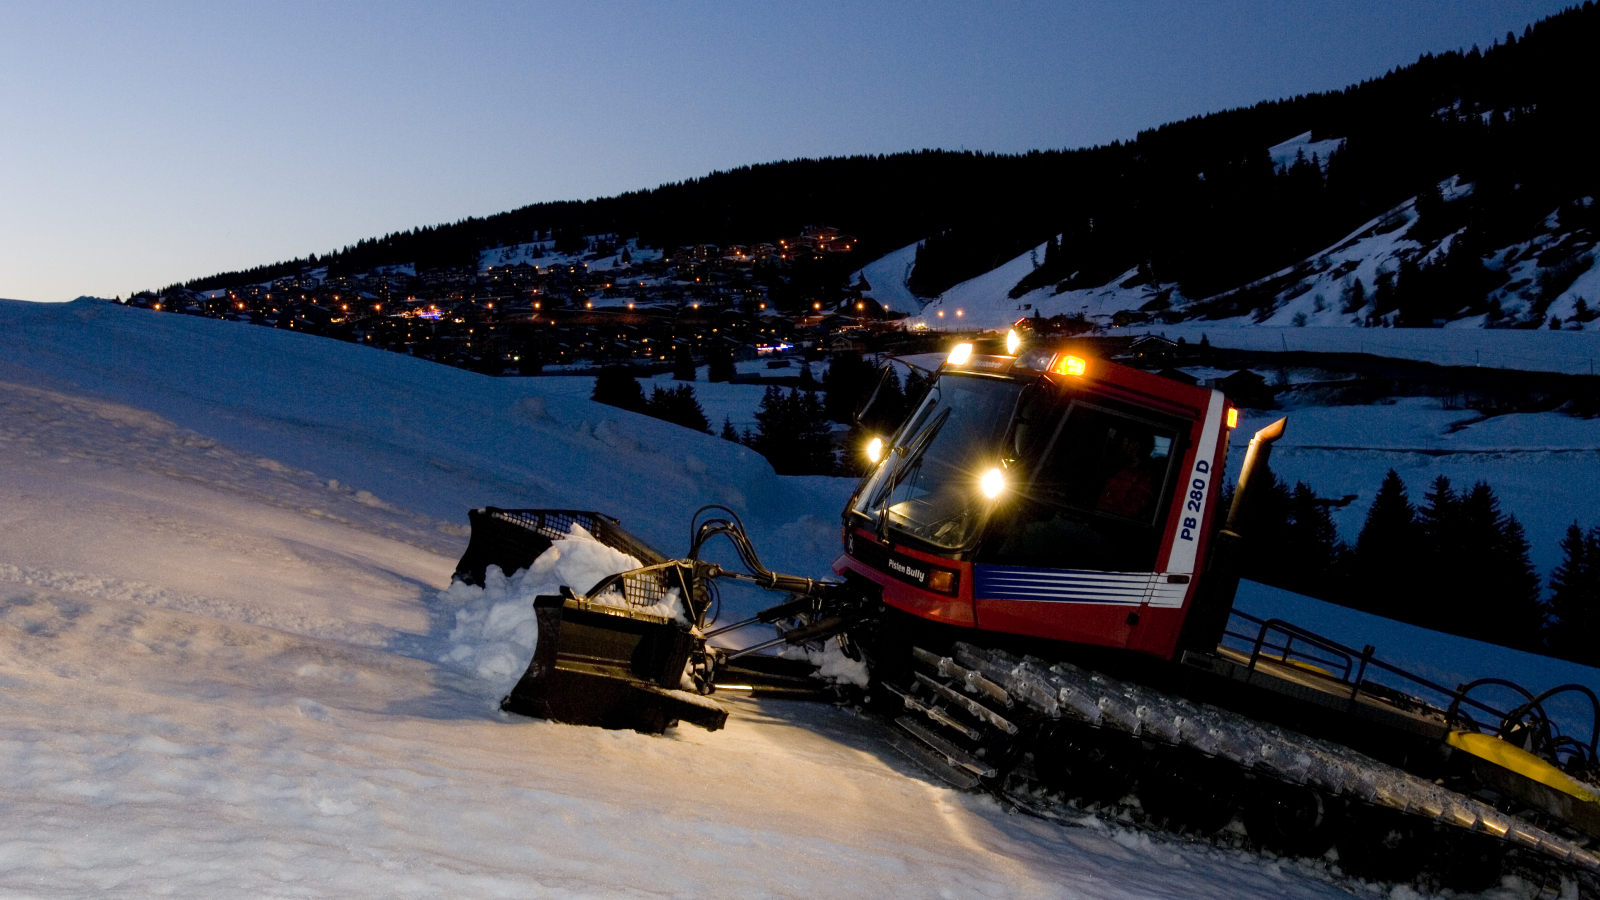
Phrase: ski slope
[887,275]
[225,642]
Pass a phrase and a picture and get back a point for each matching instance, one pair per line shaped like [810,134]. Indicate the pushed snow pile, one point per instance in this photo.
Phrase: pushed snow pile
[495,631]
[832,665]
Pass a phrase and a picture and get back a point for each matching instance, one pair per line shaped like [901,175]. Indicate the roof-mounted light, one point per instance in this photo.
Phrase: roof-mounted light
[1013,341]
[1233,417]
[1071,365]
[960,355]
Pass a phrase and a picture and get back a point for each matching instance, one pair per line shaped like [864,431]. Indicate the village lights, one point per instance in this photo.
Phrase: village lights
[960,354]
[993,482]
[875,449]
[958,313]
[941,313]
[1013,341]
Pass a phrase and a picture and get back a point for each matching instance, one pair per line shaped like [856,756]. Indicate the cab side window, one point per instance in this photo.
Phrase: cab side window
[1096,498]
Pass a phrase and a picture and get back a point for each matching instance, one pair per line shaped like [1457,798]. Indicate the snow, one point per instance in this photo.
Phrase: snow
[1283,154]
[985,302]
[980,302]
[542,253]
[887,274]
[1533,350]
[222,553]
[1444,659]
[1542,466]
[495,629]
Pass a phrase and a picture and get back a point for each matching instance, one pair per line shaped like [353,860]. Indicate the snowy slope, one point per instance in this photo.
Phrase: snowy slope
[221,555]
[985,302]
[1301,146]
[543,253]
[887,274]
[445,440]
[1551,274]
[980,302]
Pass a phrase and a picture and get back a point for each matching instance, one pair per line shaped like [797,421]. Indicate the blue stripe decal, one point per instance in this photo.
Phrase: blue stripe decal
[1060,585]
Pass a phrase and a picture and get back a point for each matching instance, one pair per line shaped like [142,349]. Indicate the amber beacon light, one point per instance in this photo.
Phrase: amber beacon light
[1072,365]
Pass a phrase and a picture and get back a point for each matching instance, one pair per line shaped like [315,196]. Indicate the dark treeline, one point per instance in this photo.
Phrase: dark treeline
[1453,562]
[794,428]
[1196,202]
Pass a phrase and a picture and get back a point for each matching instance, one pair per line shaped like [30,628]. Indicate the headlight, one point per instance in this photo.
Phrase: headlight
[1013,341]
[875,449]
[993,482]
[960,354]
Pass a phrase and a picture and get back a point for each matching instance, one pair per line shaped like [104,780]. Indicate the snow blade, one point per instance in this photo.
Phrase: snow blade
[600,659]
[609,667]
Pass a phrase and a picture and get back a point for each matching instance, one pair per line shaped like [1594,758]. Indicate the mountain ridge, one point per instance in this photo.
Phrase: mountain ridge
[1198,203]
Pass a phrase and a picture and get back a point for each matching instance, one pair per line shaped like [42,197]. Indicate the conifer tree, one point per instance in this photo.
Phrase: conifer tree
[616,386]
[1313,544]
[683,368]
[847,377]
[719,364]
[792,432]
[1574,630]
[1438,531]
[1384,563]
[888,405]
[1293,543]
[1487,588]
[679,406]
[1525,612]
[728,432]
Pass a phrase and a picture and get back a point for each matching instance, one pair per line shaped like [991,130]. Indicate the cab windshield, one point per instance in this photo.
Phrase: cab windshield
[928,486]
[1087,481]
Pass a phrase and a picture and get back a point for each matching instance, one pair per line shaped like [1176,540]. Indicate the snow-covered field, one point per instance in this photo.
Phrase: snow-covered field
[1544,467]
[231,669]
[1568,352]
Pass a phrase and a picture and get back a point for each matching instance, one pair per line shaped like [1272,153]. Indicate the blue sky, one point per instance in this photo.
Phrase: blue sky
[144,144]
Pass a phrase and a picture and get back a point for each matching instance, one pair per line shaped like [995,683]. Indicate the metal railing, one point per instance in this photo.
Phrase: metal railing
[1282,642]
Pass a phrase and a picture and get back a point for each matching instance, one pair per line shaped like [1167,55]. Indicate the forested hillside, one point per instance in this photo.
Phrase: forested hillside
[1198,203]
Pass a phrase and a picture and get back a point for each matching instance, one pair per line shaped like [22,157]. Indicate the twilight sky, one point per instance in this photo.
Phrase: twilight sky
[143,144]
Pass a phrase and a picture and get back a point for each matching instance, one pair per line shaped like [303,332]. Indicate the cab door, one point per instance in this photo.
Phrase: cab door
[1072,554]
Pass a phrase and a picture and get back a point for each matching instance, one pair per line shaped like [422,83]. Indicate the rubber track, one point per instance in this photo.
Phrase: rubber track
[1063,691]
